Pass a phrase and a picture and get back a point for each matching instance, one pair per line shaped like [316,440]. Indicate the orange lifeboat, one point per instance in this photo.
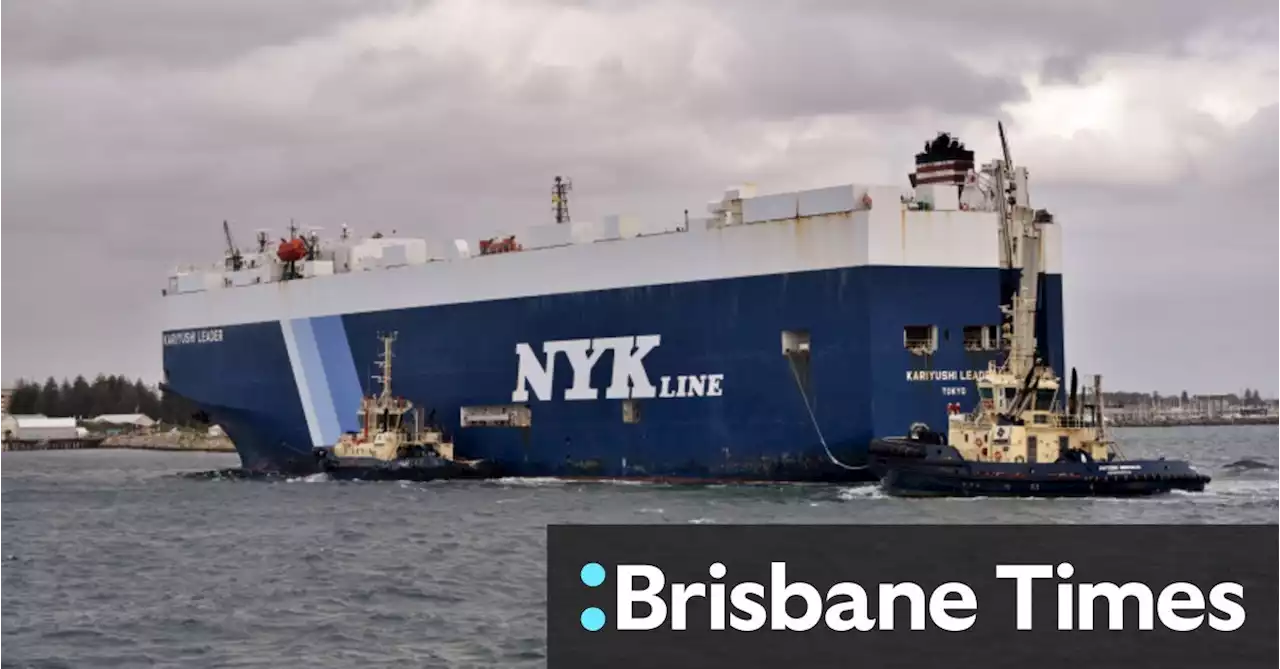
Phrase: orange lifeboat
[292,250]
[496,245]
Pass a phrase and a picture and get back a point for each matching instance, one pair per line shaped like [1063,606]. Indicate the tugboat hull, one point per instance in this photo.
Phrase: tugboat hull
[1137,478]
[886,452]
[405,469]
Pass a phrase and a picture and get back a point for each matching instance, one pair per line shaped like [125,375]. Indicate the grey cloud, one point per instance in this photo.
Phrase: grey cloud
[1086,25]
[1246,161]
[189,33]
[797,65]
[1072,33]
[1183,276]
[128,141]
[1063,69]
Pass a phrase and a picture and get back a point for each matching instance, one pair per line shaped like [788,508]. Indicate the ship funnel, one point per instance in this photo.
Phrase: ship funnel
[945,160]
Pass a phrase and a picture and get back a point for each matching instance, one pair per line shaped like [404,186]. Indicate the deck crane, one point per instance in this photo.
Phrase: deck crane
[235,260]
[1008,194]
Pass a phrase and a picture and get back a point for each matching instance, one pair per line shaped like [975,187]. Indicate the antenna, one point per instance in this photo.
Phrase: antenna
[560,199]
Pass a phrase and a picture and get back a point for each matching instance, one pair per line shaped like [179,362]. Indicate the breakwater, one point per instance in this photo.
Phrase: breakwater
[169,441]
[1178,421]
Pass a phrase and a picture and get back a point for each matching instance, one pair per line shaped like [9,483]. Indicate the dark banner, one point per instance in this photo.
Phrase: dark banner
[915,596]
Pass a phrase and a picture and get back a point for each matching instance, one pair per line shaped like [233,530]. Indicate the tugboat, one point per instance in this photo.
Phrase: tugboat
[1020,441]
[394,444]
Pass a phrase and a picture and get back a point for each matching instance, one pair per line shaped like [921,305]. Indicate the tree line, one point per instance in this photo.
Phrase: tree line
[1252,398]
[105,395]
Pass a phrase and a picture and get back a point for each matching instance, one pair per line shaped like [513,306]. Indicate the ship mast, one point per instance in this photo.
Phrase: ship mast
[560,199]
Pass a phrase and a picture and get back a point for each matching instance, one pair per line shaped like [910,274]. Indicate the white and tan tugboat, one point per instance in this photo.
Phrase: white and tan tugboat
[394,443]
[1024,438]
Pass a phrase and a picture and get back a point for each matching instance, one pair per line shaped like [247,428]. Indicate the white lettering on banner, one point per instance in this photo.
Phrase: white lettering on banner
[942,375]
[629,379]
[647,600]
[193,337]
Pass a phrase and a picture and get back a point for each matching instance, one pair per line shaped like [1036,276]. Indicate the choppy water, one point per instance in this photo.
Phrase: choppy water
[110,559]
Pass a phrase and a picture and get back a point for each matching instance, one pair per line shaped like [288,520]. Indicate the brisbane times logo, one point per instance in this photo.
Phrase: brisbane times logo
[642,600]
[1044,596]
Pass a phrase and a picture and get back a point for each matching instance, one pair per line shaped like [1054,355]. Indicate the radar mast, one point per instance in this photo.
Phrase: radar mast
[560,198]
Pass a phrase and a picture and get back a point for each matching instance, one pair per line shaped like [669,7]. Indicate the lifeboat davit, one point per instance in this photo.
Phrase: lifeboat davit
[292,250]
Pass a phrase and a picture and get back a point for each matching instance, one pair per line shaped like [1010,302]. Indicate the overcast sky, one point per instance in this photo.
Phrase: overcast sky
[132,128]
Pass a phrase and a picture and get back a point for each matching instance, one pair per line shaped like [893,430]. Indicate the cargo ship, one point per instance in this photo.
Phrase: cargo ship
[768,341]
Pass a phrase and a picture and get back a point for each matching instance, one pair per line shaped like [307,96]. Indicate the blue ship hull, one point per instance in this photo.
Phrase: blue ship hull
[280,388]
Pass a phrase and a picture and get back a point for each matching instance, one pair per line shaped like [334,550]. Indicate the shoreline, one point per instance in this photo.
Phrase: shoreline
[168,449]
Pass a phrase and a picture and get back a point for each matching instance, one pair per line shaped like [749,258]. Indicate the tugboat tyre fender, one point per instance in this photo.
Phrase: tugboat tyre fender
[1019,459]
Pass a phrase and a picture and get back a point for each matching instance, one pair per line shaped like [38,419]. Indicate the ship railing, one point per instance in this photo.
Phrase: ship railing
[502,245]
[1070,422]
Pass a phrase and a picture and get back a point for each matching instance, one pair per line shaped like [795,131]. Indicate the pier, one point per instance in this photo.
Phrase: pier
[51,444]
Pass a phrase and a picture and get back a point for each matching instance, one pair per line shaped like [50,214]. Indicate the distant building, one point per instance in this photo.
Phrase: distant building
[38,428]
[7,393]
[122,422]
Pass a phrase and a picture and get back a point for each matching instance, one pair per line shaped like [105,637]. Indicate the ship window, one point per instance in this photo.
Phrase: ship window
[631,411]
[920,339]
[513,415]
[984,393]
[795,341]
[973,337]
[1044,399]
[981,337]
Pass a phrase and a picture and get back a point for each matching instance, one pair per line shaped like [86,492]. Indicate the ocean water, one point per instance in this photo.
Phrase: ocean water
[112,558]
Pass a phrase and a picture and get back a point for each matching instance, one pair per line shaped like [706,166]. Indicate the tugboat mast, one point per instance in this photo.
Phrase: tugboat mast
[385,363]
